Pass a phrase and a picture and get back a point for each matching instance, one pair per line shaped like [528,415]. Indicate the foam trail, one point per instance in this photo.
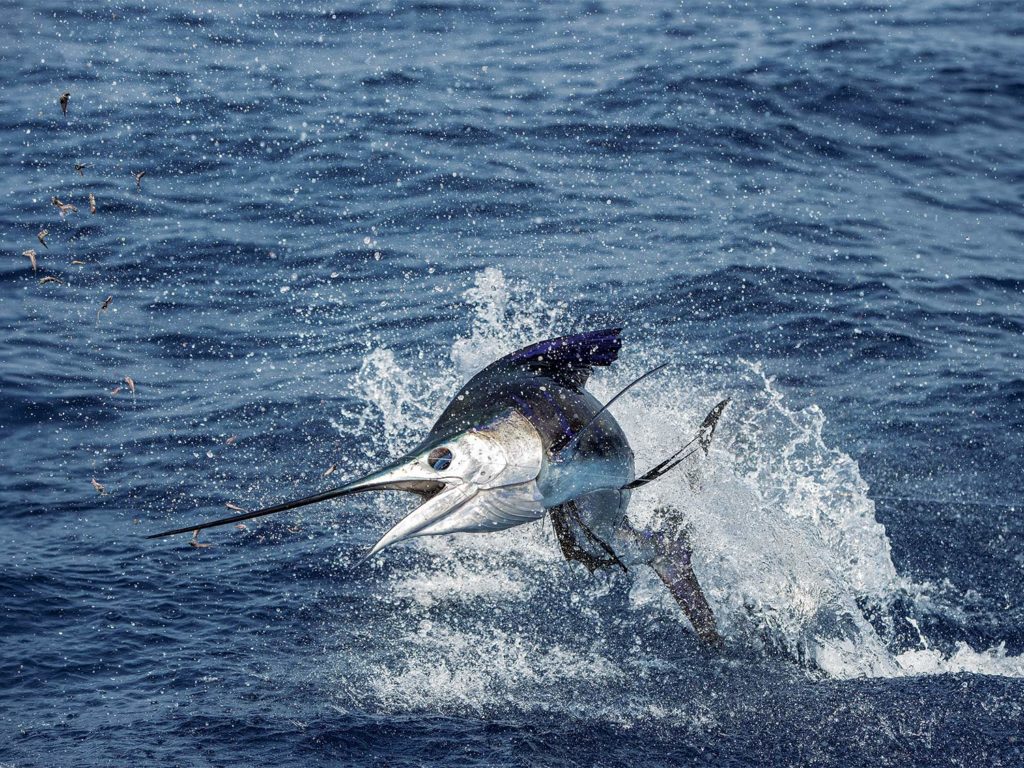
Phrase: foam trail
[786,544]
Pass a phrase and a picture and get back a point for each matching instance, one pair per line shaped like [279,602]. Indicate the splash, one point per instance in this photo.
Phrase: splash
[503,320]
[396,400]
[785,536]
[994,661]
[786,542]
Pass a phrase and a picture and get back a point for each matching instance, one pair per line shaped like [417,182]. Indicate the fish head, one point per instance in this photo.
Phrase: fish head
[481,479]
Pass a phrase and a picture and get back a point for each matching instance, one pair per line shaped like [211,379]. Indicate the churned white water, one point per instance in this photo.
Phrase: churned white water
[786,545]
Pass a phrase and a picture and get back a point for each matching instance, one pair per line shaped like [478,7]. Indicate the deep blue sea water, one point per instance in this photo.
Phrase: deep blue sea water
[813,208]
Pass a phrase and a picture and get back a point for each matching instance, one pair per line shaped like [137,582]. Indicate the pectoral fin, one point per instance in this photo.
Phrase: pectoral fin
[578,540]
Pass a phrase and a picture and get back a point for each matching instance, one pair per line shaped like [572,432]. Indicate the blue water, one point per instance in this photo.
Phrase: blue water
[815,209]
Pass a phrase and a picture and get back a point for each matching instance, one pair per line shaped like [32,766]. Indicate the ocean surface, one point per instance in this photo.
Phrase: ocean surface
[816,209]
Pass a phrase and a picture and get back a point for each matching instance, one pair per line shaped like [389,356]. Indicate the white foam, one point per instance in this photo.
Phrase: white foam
[476,667]
[786,542]
[994,661]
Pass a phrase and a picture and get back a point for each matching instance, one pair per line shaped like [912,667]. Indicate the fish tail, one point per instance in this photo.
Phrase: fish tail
[673,564]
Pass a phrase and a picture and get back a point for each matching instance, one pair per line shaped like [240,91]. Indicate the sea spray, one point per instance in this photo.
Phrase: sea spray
[784,531]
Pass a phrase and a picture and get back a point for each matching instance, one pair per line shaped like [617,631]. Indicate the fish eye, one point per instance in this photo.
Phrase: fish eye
[440,459]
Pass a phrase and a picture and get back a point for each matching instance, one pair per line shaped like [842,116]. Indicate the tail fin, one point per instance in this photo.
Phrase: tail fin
[673,566]
[672,562]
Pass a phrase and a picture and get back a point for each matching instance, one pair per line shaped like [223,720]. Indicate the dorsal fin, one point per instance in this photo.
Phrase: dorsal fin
[567,359]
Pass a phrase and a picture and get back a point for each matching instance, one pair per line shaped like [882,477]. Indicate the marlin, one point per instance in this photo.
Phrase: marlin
[524,439]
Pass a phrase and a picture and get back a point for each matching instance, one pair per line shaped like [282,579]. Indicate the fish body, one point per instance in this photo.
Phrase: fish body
[544,384]
[554,402]
[523,439]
